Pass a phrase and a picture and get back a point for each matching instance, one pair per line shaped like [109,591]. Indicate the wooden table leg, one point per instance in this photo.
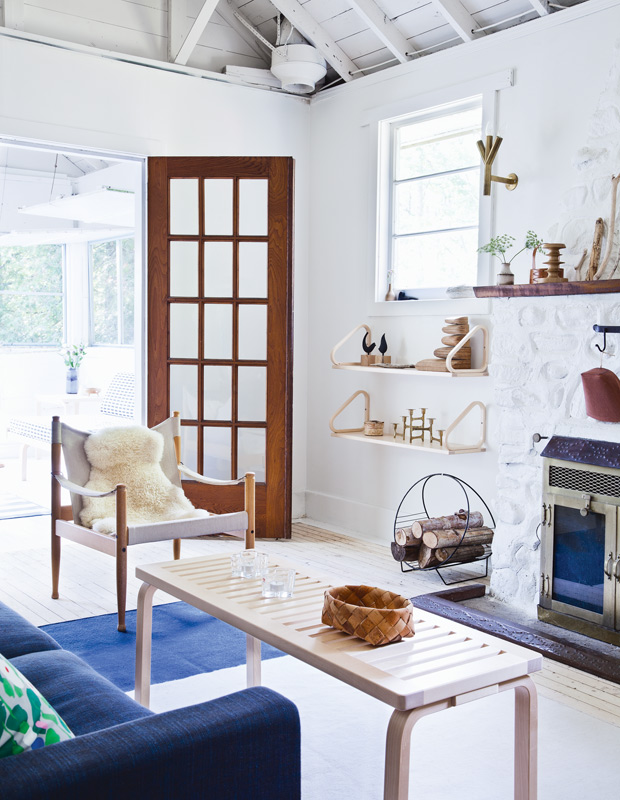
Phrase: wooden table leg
[252,659]
[526,740]
[143,644]
[398,749]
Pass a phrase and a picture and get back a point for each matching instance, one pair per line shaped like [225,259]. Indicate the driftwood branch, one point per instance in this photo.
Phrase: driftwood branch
[582,261]
[612,225]
[597,242]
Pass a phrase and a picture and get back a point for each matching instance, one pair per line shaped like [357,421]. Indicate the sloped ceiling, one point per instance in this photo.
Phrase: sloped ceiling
[356,37]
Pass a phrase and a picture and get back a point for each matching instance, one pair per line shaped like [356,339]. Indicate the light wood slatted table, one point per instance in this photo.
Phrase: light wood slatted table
[444,665]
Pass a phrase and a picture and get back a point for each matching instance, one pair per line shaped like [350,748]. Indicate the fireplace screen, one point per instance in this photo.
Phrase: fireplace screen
[578,553]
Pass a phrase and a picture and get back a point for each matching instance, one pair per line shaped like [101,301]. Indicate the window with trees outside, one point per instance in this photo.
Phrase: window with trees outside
[432,186]
[111,273]
[32,295]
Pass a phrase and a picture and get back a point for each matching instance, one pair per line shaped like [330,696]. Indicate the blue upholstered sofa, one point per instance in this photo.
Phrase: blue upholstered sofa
[244,745]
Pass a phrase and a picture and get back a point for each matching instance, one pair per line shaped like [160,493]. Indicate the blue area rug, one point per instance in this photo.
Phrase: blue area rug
[186,642]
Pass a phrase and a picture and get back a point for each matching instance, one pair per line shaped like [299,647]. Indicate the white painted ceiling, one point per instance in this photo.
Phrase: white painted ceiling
[357,37]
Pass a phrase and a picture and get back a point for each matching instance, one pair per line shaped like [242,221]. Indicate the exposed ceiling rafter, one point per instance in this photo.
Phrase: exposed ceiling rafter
[542,6]
[315,33]
[461,20]
[13,14]
[381,25]
[182,54]
[226,10]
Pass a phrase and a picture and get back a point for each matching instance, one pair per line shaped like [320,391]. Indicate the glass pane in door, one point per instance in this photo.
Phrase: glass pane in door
[218,269]
[252,394]
[218,207]
[252,269]
[217,453]
[184,207]
[183,330]
[218,331]
[184,269]
[253,332]
[251,452]
[184,390]
[578,558]
[217,392]
[253,207]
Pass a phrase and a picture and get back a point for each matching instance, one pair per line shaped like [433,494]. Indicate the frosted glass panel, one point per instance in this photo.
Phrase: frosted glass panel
[184,206]
[251,452]
[218,269]
[252,394]
[216,453]
[253,333]
[184,269]
[217,392]
[218,207]
[183,330]
[218,331]
[253,269]
[253,207]
[184,390]
[189,445]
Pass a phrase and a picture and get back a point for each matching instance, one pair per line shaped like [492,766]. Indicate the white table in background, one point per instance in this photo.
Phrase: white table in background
[70,403]
[444,665]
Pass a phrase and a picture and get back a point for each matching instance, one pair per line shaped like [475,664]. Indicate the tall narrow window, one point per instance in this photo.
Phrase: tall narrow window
[32,295]
[112,292]
[430,235]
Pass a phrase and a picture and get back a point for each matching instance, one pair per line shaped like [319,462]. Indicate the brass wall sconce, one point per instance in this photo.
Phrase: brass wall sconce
[488,152]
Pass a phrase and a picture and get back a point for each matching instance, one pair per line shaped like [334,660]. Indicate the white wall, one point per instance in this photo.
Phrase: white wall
[560,67]
[68,98]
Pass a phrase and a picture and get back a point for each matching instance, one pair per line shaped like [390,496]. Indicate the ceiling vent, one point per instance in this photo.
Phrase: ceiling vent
[298,67]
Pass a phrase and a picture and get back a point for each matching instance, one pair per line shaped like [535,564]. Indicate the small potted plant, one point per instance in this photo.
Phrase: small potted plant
[499,245]
[73,355]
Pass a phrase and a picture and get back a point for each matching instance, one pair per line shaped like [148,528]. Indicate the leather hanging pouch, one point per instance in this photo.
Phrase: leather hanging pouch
[601,388]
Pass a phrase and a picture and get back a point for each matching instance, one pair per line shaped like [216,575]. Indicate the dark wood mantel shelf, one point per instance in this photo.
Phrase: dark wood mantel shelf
[547,289]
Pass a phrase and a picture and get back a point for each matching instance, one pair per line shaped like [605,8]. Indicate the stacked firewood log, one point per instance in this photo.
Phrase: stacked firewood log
[432,541]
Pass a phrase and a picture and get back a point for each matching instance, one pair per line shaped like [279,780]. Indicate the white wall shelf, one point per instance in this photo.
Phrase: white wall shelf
[388,440]
[410,371]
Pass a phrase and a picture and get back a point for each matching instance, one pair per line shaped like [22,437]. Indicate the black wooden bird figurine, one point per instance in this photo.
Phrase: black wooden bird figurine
[370,347]
[383,345]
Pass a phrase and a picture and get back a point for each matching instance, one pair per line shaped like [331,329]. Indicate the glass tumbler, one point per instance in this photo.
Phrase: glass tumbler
[278,582]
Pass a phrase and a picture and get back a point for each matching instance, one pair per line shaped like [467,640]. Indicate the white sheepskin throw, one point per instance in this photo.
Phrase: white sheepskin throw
[131,455]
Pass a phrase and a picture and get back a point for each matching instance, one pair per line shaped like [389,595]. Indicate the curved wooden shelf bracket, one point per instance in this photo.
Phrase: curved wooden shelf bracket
[348,402]
[337,347]
[483,369]
[455,448]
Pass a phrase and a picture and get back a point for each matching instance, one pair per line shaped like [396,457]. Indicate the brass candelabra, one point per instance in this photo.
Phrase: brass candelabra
[425,426]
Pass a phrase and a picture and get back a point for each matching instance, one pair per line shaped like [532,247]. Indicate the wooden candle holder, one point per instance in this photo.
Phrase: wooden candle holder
[554,273]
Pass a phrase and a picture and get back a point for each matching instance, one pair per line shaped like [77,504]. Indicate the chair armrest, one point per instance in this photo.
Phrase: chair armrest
[75,487]
[244,746]
[196,476]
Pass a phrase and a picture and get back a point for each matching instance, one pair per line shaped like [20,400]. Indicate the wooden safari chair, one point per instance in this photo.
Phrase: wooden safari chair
[69,442]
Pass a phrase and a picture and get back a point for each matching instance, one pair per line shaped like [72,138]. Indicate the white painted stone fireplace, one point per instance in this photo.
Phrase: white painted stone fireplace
[540,346]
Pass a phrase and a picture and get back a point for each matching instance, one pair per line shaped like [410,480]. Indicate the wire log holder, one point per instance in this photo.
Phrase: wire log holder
[415,498]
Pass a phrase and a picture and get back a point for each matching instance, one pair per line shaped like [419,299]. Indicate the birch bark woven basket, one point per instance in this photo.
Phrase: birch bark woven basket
[374,615]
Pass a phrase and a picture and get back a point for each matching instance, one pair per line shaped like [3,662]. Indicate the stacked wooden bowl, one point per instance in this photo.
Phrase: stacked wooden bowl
[455,329]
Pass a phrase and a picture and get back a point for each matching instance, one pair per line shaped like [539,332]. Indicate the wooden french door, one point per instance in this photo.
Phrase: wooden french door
[220,345]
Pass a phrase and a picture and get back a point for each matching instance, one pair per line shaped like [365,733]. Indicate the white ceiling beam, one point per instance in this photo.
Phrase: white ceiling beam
[460,19]
[195,32]
[542,6]
[13,16]
[177,26]
[381,25]
[305,23]
[226,10]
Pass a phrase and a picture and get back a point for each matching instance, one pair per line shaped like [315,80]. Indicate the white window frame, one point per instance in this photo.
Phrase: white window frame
[380,120]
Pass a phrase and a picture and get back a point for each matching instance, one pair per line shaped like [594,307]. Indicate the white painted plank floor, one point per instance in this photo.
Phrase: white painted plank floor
[87,582]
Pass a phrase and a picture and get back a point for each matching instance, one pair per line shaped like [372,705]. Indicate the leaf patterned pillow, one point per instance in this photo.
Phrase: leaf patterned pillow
[27,721]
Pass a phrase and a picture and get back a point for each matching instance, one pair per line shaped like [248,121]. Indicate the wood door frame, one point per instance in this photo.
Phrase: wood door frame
[274,504]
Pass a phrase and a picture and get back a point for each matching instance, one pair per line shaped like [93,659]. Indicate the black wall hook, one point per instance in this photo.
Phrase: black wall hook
[605,329]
